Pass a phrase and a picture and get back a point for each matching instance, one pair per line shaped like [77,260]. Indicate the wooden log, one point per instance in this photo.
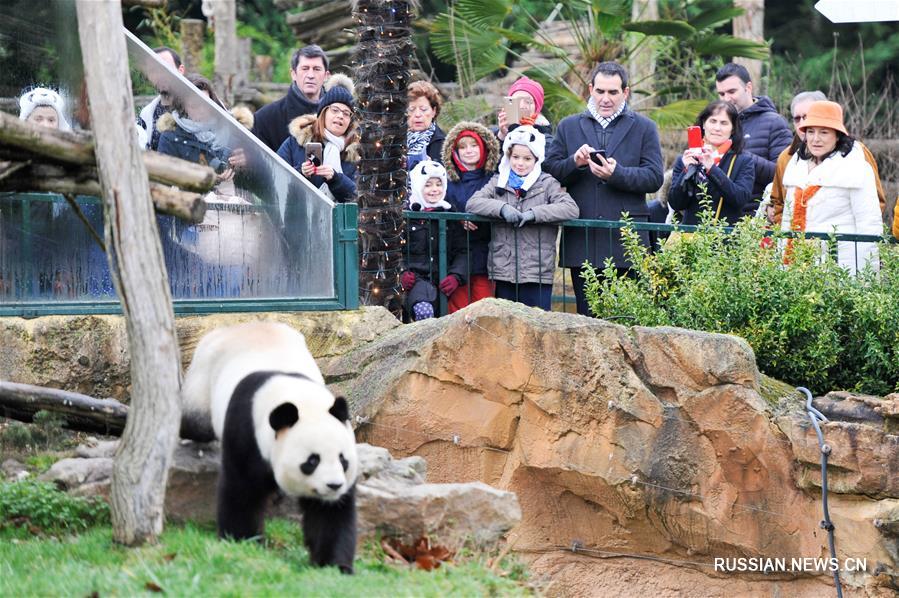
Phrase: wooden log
[51,178]
[32,140]
[309,19]
[61,145]
[80,412]
[140,470]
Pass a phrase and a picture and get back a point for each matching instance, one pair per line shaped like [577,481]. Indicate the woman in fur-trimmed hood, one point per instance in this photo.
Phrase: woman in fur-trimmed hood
[471,154]
[334,128]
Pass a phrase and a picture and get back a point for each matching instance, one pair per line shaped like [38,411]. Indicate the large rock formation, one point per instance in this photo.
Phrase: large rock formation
[89,354]
[630,444]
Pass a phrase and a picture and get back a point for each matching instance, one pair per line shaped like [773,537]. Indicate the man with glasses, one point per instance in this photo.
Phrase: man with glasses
[765,132]
[308,71]
[608,157]
[798,109]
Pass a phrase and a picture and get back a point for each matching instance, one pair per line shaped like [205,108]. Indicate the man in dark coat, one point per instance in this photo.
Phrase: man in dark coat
[605,186]
[766,133]
[308,71]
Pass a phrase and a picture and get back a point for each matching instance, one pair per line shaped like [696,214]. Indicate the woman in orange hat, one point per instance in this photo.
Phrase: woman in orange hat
[830,187]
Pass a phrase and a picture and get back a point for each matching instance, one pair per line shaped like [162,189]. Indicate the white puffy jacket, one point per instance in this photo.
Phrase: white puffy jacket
[846,203]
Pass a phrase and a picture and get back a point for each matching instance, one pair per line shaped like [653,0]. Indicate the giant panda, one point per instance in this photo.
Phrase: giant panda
[256,387]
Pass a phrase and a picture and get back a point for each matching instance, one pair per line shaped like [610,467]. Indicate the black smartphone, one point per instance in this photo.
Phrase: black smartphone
[314,153]
[595,156]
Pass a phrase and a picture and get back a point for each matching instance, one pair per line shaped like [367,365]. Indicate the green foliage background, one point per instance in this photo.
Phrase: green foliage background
[810,323]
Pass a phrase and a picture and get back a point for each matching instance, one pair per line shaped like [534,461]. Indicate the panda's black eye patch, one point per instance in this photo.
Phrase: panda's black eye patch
[343,462]
[311,463]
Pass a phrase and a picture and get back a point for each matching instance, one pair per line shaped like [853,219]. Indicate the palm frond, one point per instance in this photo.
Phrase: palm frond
[721,44]
[673,28]
[677,114]
[709,19]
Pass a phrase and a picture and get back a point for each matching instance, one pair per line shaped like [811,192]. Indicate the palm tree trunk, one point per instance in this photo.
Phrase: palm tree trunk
[382,76]
[642,63]
[751,25]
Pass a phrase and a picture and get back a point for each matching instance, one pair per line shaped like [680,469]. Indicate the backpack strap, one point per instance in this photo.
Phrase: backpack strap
[730,169]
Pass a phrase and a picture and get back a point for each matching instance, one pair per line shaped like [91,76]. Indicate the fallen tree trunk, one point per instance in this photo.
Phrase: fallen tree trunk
[53,178]
[31,141]
[81,413]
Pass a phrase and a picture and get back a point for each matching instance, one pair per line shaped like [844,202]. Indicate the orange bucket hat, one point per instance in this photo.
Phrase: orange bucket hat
[824,114]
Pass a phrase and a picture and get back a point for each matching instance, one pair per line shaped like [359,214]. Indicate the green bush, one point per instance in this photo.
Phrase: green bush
[810,323]
[40,506]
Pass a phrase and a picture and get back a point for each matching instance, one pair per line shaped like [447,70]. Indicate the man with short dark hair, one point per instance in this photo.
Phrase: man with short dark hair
[608,157]
[766,133]
[308,71]
[146,120]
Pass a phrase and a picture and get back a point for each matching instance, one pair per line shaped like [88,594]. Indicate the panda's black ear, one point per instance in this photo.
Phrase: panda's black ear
[340,410]
[284,416]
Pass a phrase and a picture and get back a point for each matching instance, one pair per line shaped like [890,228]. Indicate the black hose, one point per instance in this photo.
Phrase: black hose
[816,416]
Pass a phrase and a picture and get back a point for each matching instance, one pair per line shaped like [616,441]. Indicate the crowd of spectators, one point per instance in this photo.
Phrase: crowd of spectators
[528,176]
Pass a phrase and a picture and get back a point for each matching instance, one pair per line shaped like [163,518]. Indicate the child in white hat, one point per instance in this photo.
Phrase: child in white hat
[45,107]
[420,277]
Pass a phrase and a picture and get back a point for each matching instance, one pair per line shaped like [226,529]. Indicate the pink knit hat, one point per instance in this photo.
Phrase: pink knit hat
[531,87]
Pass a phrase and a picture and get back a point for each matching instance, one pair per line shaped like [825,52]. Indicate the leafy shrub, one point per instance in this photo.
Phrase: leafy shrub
[810,323]
[42,507]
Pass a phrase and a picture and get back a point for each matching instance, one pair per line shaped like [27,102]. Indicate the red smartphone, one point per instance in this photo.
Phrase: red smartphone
[694,137]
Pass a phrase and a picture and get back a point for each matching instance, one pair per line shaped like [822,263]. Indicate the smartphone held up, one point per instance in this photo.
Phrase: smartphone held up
[512,107]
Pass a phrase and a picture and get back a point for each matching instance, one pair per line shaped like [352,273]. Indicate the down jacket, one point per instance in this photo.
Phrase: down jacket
[845,203]
[732,193]
[293,150]
[462,185]
[423,254]
[765,134]
[526,254]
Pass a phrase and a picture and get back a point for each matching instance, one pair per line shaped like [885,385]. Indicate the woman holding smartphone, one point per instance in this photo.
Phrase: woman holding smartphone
[713,173]
[324,148]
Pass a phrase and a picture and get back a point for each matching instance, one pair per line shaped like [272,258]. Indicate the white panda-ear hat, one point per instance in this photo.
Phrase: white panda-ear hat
[535,141]
[424,170]
[43,96]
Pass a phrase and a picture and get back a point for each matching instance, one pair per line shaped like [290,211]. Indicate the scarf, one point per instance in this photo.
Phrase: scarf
[515,181]
[418,140]
[333,147]
[800,211]
[602,120]
[198,130]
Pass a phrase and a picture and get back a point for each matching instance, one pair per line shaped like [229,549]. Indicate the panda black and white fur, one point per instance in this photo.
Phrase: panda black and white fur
[256,387]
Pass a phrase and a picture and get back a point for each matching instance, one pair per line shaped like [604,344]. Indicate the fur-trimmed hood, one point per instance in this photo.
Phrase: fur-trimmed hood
[241,114]
[491,143]
[166,122]
[300,129]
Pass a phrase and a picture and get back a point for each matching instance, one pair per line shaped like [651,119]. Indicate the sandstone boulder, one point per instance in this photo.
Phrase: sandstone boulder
[89,354]
[635,442]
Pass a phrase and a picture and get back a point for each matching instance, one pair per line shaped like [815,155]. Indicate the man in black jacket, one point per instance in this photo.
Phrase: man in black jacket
[611,183]
[308,71]
[766,132]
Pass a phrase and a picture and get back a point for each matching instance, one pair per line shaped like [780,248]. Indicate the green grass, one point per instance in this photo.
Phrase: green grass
[191,561]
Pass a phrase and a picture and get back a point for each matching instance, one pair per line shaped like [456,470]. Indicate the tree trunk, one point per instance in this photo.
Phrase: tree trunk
[226,79]
[382,75]
[192,31]
[642,63]
[142,462]
[751,25]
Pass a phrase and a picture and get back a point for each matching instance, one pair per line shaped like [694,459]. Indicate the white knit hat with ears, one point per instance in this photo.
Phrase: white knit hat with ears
[43,96]
[424,170]
[535,141]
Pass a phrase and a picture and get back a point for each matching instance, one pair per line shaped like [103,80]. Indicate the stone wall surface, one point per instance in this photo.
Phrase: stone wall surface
[637,442]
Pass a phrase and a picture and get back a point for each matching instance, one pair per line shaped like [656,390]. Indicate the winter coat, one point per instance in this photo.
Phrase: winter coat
[526,254]
[845,203]
[634,143]
[293,150]
[766,134]
[423,253]
[735,190]
[272,120]
[777,187]
[462,185]
[175,141]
